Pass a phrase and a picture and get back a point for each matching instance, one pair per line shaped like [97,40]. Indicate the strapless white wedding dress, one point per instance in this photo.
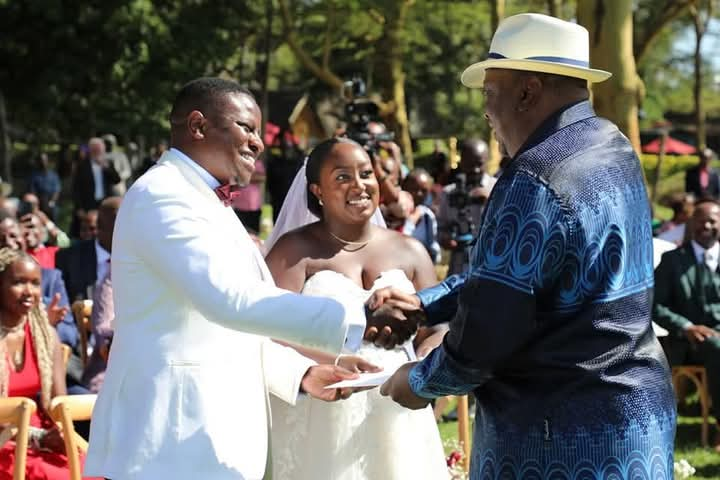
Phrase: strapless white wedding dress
[366,437]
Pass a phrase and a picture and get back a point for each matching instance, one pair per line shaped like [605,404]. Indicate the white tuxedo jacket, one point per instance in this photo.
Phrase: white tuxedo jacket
[185,393]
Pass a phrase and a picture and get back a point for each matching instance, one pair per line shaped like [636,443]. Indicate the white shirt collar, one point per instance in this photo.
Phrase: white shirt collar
[713,254]
[102,255]
[204,174]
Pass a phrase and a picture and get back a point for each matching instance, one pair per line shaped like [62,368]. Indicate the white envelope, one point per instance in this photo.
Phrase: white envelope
[367,379]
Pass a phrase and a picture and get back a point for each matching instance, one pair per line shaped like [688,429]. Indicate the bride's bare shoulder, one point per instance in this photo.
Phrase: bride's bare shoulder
[296,243]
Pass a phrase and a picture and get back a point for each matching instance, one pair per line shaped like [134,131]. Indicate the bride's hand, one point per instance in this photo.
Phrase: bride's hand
[319,376]
[357,364]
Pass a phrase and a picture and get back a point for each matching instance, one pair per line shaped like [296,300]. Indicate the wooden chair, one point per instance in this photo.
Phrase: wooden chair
[82,309]
[16,412]
[698,376]
[67,352]
[64,409]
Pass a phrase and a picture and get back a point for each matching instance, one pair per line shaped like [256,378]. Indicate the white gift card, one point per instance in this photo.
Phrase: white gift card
[367,379]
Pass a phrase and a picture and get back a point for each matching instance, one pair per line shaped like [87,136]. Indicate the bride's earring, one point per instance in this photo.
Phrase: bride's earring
[320,202]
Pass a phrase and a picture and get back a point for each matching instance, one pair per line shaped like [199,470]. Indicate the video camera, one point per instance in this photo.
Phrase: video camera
[359,112]
[462,229]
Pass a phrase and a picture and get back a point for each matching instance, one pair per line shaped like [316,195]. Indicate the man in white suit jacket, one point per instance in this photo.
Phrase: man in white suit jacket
[185,393]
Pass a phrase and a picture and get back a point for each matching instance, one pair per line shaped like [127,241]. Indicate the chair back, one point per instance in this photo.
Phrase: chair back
[66,352]
[82,310]
[16,412]
[64,409]
[698,376]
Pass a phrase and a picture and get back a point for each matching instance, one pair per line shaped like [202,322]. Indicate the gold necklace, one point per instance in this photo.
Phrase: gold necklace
[348,243]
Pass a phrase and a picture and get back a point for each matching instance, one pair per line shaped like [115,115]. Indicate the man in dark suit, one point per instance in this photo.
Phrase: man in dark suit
[94,180]
[703,181]
[687,298]
[86,262]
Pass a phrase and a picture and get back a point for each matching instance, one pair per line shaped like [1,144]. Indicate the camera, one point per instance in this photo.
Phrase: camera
[462,229]
[359,112]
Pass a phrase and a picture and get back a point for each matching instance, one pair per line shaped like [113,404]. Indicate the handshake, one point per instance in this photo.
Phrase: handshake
[392,317]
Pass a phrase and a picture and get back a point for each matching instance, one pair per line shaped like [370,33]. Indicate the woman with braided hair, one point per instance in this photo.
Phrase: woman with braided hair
[31,365]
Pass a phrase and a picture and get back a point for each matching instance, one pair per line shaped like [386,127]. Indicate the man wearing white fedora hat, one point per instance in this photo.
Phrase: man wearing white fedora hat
[551,327]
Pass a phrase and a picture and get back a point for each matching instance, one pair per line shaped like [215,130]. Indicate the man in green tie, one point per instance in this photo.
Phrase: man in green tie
[687,298]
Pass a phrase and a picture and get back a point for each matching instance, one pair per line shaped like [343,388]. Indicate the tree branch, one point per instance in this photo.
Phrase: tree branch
[327,48]
[672,10]
[324,74]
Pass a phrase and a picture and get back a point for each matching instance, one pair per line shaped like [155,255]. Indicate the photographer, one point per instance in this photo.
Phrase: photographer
[462,203]
[360,115]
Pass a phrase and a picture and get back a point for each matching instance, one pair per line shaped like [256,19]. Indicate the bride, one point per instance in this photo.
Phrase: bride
[342,248]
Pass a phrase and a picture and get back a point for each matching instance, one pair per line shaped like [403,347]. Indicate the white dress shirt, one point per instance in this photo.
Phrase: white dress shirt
[103,262]
[710,257]
[97,172]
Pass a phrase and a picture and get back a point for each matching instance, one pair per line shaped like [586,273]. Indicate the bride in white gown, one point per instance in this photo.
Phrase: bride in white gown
[366,437]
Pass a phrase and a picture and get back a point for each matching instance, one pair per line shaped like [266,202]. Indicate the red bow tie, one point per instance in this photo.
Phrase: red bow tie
[227,193]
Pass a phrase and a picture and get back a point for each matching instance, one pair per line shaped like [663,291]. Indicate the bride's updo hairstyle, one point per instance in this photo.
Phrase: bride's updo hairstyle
[315,161]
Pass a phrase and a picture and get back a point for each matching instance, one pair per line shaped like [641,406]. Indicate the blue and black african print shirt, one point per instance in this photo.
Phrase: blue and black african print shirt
[551,327]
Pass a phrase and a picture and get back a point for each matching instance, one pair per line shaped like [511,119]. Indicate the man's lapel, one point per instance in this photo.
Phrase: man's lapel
[233,222]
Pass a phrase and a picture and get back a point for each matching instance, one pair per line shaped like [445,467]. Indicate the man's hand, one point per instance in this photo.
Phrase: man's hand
[56,313]
[357,364]
[698,333]
[480,193]
[429,338]
[398,388]
[319,376]
[53,441]
[393,316]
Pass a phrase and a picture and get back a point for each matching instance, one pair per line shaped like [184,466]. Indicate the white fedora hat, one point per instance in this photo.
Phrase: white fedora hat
[537,43]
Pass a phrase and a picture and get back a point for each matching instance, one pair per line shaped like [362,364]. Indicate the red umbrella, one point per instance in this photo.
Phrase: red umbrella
[672,146]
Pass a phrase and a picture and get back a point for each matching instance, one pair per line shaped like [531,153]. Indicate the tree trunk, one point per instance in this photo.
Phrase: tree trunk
[555,8]
[611,48]
[265,70]
[390,75]
[5,150]
[497,14]
[700,30]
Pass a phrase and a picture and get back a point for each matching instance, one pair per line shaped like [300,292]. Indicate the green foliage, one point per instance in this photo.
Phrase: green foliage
[671,164]
[76,68]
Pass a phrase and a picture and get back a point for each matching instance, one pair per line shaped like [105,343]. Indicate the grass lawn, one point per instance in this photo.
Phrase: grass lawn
[687,445]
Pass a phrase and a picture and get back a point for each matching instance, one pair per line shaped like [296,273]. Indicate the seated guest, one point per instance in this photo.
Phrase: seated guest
[53,286]
[84,264]
[52,235]
[673,230]
[687,299]
[32,364]
[88,225]
[34,233]
[421,224]
[702,180]
[103,312]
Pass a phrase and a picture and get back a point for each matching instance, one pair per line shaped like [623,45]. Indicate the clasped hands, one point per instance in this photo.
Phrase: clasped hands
[393,316]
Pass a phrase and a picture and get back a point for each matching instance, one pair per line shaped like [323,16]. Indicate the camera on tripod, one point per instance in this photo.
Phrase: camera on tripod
[359,112]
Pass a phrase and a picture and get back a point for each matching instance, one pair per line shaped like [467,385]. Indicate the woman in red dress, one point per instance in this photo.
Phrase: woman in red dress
[31,365]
